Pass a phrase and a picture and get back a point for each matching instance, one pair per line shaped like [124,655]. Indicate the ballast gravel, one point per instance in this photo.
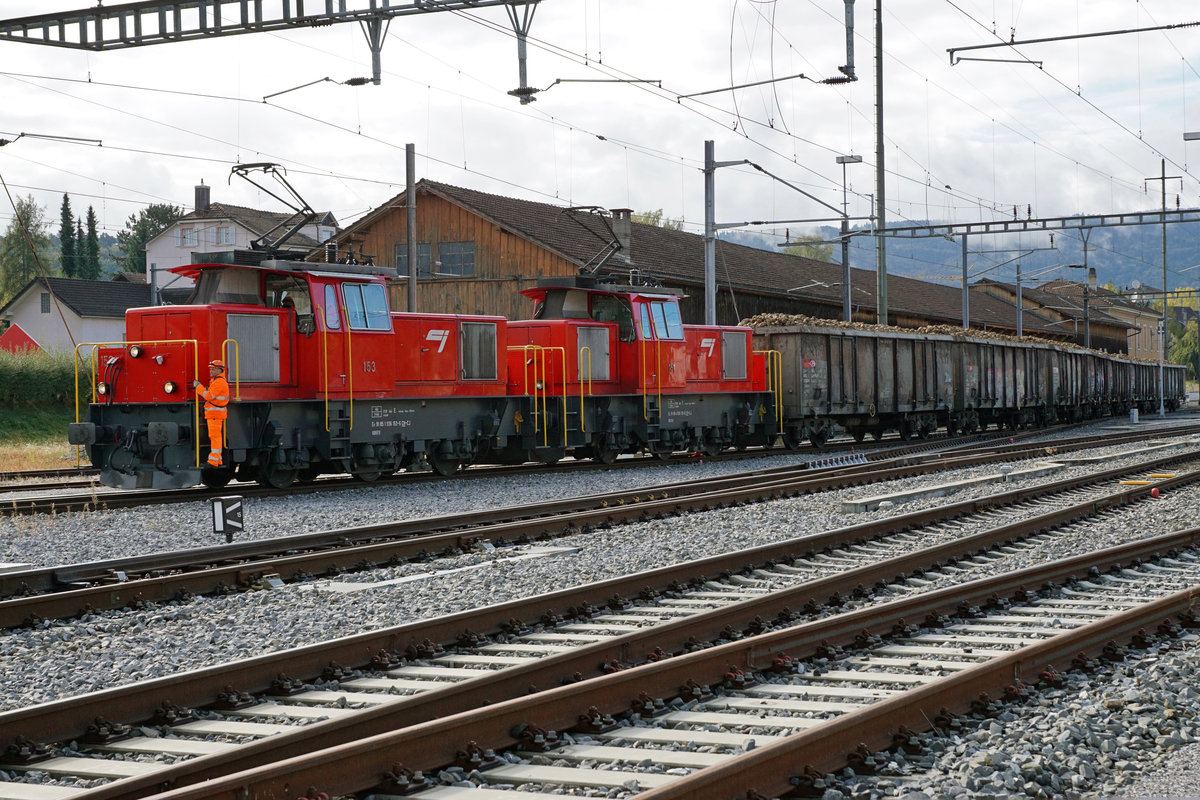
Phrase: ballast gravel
[61,659]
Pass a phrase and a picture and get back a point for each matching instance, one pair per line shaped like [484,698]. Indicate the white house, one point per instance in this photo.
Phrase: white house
[57,314]
[220,228]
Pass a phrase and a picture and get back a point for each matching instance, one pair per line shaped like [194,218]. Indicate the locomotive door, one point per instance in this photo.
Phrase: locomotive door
[333,376]
[662,347]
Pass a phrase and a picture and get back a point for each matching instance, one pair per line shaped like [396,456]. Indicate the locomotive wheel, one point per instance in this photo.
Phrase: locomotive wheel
[602,450]
[660,451]
[275,476]
[216,478]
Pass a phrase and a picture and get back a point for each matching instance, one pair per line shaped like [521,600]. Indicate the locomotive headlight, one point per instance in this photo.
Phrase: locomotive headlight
[169,387]
[135,351]
[102,388]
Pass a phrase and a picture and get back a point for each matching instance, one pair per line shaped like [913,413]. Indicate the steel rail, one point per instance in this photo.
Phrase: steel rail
[23,610]
[65,719]
[117,571]
[359,766]
[96,500]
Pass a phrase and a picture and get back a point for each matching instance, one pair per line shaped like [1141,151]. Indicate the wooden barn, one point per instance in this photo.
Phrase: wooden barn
[477,251]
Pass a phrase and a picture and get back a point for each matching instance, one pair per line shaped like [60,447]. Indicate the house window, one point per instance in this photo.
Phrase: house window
[45,302]
[225,234]
[458,258]
[187,237]
[423,259]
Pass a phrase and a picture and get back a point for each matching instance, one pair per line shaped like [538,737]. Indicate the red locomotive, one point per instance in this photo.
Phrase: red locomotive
[325,378]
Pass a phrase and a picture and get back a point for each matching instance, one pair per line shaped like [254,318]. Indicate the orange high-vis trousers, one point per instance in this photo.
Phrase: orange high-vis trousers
[216,434]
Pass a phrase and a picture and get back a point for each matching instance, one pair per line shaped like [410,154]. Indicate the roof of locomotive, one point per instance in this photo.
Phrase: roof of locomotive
[305,267]
[588,283]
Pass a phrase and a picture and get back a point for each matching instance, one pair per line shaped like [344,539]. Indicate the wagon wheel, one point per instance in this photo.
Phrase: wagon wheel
[309,474]
[274,476]
[604,454]
[792,439]
[818,437]
[877,434]
[367,475]
[443,465]
[906,430]
[216,478]
[859,434]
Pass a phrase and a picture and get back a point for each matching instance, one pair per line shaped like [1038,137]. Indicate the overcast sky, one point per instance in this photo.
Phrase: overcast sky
[1078,135]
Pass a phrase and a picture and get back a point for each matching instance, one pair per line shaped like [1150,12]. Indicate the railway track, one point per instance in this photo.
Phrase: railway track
[422,682]
[16,498]
[780,712]
[33,595]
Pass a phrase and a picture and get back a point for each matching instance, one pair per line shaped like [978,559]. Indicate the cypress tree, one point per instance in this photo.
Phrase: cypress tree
[91,250]
[66,238]
[80,245]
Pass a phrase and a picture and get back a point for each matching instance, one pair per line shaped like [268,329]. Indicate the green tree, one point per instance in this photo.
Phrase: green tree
[657,219]
[1184,346]
[66,238]
[91,247]
[141,228]
[815,251]
[25,248]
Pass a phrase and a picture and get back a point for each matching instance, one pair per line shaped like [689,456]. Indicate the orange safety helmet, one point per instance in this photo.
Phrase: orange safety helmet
[218,363]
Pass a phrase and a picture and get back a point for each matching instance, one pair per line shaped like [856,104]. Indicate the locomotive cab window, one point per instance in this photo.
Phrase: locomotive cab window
[366,307]
[227,286]
[607,308]
[332,321]
[667,323]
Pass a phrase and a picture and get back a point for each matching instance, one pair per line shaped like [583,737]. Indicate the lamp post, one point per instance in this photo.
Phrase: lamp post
[846,312]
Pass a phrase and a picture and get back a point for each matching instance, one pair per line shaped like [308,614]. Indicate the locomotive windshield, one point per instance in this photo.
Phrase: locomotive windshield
[227,286]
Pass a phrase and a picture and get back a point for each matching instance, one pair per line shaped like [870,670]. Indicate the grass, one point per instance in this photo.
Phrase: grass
[36,438]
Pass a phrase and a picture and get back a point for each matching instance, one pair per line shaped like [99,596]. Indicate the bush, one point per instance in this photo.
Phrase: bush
[38,380]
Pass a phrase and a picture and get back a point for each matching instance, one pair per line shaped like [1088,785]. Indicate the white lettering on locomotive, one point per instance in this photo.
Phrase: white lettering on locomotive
[439,336]
[709,343]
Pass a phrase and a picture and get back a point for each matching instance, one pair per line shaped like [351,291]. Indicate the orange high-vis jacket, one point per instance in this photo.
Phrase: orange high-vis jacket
[216,397]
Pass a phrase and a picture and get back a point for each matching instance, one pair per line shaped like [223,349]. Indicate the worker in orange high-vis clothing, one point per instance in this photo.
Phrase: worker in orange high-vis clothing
[216,398]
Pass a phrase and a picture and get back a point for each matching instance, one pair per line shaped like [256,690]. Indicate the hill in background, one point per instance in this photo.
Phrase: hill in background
[1121,256]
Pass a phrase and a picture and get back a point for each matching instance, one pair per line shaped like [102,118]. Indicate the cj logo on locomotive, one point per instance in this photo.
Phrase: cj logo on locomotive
[439,336]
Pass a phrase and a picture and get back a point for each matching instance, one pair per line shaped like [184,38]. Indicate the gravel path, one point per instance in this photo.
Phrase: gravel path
[60,659]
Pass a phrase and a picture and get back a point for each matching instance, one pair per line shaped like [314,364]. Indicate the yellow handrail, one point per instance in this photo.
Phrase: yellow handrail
[540,388]
[319,313]
[237,364]
[582,408]
[657,379]
[95,355]
[349,363]
[774,359]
